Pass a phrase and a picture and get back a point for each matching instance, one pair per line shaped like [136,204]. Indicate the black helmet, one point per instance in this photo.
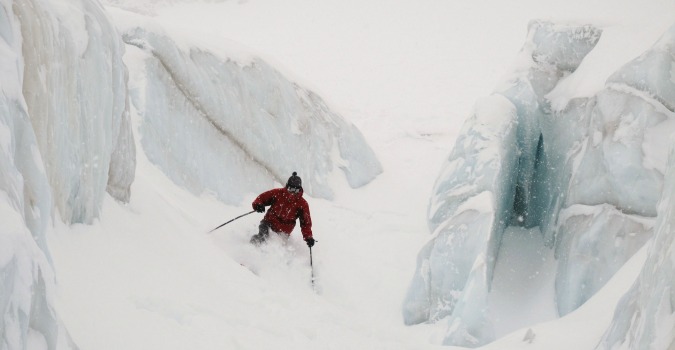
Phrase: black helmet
[294,181]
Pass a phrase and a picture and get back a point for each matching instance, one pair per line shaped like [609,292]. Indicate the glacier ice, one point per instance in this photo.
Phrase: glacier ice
[645,317]
[65,139]
[121,171]
[609,177]
[617,171]
[455,268]
[26,275]
[465,216]
[595,241]
[493,179]
[249,125]
[652,73]
[588,175]
[75,90]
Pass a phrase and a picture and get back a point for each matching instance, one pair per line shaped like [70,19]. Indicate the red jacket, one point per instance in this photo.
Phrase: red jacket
[285,207]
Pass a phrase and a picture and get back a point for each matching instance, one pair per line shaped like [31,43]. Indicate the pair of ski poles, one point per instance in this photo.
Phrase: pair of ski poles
[311,264]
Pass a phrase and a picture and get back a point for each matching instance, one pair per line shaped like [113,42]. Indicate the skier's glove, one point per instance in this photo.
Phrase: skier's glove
[259,208]
[310,242]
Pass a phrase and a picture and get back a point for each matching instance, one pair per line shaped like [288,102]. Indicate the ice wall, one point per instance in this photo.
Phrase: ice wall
[467,218]
[27,317]
[65,138]
[614,172]
[588,175]
[645,317]
[74,86]
[232,126]
[506,173]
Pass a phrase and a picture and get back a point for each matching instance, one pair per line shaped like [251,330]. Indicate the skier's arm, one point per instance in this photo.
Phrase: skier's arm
[305,221]
[264,199]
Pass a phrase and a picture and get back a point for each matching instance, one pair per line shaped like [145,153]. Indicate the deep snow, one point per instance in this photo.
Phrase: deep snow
[147,275]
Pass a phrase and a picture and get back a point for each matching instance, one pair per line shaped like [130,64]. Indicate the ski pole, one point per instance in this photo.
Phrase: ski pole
[311,265]
[242,215]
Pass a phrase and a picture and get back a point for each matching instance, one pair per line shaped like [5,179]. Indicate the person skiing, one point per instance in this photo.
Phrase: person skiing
[286,205]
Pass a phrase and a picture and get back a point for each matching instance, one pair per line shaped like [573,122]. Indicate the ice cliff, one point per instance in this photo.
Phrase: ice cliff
[645,318]
[65,139]
[588,175]
[74,86]
[245,126]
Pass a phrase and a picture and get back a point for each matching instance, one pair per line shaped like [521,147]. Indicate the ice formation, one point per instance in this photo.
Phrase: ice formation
[24,208]
[616,173]
[466,220]
[493,179]
[589,176]
[247,125]
[74,86]
[65,138]
[645,318]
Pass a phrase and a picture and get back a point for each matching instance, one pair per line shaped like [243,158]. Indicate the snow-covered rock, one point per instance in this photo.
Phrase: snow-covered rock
[74,86]
[243,125]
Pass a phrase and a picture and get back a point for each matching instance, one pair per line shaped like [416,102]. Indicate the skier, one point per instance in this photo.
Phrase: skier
[286,205]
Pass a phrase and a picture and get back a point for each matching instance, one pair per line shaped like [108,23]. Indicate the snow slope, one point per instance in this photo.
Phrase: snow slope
[145,275]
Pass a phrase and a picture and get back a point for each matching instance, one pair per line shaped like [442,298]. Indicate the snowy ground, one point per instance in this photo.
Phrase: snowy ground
[148,276]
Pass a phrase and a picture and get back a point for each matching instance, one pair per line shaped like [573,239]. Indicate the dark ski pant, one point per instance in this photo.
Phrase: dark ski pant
[263,233]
